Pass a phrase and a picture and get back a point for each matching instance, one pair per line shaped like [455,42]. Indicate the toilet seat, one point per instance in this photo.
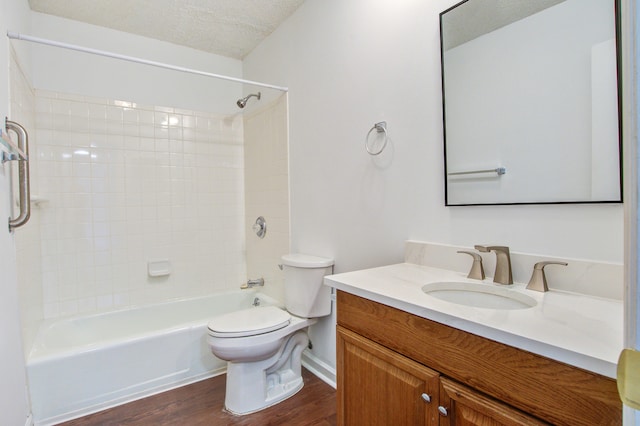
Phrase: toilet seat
[249,322]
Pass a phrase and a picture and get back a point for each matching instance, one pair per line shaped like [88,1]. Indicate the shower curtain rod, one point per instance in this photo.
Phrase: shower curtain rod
[47,42]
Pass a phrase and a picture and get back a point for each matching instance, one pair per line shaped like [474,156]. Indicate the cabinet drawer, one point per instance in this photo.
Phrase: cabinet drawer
[547,389]
[464,406]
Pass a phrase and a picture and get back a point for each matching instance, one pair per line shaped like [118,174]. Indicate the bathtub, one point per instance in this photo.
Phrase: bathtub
[81,365]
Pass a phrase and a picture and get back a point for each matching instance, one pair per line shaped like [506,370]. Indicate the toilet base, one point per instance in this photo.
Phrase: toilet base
[254,386]
[273,398]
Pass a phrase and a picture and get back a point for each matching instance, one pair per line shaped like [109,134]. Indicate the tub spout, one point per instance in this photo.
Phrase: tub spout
[253,283]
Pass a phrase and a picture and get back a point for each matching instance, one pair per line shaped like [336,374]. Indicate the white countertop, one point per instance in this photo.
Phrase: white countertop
[579,330]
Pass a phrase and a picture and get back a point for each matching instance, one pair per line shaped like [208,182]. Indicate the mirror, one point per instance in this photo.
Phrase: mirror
[531,102]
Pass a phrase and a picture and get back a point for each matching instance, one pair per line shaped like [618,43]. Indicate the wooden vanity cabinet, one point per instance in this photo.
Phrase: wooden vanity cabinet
[377,386]
[387,359]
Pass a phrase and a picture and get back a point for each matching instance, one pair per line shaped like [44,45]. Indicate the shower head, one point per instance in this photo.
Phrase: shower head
[243,102]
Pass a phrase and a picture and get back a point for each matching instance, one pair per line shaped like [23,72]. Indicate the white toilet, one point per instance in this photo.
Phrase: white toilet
[263,345]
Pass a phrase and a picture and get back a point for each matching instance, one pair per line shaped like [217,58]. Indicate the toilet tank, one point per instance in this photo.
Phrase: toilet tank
[304,294]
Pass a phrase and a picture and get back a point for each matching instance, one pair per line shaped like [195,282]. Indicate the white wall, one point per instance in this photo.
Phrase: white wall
[68,71]
[349,64]
[14,407]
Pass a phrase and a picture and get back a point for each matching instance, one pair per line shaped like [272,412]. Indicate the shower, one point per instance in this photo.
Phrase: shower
[205,149]
[243,102]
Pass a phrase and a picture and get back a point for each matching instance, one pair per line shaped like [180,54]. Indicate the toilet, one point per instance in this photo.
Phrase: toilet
[263,345]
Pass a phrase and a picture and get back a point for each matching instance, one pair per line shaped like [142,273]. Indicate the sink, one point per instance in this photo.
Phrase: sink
[479,295]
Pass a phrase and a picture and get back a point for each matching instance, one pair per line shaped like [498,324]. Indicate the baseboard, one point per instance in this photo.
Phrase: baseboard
[318,367]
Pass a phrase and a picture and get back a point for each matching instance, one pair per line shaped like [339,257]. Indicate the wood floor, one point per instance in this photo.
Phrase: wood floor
[202,404]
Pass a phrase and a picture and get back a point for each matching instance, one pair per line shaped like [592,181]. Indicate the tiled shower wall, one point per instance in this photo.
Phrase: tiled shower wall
[266,175]
[27,238]
[124,184]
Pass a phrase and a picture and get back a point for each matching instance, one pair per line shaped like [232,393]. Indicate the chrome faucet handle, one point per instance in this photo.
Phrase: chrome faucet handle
[538,281]
[477,271]
[503,274]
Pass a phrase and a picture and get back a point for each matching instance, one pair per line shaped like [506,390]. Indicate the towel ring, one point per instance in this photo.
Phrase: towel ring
[380,127]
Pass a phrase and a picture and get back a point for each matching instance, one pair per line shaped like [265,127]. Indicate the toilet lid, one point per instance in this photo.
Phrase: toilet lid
[249,322]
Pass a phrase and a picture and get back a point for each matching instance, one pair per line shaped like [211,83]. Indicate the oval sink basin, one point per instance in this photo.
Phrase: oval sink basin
[479,295]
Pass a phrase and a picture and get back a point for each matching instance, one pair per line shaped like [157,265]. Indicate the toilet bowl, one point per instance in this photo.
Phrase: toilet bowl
[263,368]
[263,345]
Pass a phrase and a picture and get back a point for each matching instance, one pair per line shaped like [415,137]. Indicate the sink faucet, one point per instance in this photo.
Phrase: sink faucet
[502,274]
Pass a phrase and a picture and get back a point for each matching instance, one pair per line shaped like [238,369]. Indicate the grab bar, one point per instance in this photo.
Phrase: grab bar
[23,175]
[499,170]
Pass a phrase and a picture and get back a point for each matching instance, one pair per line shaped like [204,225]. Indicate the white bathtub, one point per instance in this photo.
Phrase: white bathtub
[84,364]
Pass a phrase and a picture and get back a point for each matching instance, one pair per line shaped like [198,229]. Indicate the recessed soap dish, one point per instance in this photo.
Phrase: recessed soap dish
[159,268]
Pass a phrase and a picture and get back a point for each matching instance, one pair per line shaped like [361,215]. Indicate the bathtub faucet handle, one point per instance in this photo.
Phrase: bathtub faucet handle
[253,283]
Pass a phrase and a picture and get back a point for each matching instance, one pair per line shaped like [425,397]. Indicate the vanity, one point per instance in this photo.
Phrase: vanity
[405,356]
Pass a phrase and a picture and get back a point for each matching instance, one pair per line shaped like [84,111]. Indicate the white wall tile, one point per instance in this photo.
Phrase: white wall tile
[266,193]
[123,189]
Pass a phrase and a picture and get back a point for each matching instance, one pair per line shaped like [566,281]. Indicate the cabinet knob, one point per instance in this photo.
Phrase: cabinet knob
[426,397]
[443,411]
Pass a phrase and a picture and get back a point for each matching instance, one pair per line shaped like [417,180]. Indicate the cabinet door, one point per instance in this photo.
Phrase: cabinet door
[377,386]
[462,406]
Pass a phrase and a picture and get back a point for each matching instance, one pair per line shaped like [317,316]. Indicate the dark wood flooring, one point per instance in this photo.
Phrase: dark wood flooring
[202,403]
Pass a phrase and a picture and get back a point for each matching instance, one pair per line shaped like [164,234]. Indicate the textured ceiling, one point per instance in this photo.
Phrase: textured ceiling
[225,27]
